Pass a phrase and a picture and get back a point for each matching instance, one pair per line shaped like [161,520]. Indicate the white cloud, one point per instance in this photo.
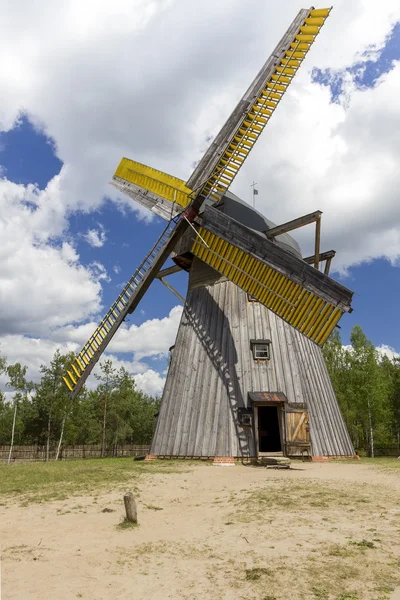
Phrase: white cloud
[42,283]
[385,350]
[98,271]
[152,338]
[95,237]
[150,382]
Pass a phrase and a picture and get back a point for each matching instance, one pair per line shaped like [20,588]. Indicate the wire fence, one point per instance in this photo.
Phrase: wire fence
[38,453]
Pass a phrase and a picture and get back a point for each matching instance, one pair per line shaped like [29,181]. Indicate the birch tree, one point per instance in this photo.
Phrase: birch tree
[109,382]
[17,380]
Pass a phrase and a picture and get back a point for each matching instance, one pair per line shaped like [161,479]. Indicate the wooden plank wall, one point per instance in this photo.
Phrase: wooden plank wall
[212,370]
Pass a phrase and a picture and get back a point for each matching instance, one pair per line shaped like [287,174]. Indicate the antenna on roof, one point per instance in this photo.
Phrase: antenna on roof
[255,193]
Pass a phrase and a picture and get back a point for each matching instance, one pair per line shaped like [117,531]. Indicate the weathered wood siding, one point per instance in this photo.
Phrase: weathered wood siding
[212,371]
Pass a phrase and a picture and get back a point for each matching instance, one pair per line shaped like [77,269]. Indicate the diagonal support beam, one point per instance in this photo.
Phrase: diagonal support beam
[171,289]
[169,271]
[295,224]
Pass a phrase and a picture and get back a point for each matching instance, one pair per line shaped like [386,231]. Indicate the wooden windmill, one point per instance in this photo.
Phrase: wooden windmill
[247,376]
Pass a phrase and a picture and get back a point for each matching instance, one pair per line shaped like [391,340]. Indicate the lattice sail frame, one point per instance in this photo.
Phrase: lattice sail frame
[169,196]
[311,315]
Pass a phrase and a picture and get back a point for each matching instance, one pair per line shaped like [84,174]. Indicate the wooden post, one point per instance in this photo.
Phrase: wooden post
[130,507]
[317,242]
[327,266]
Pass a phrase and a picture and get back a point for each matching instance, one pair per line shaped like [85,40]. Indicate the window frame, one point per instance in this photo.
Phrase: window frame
[255,344]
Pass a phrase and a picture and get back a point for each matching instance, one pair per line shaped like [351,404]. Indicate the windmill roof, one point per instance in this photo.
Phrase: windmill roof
[241,211]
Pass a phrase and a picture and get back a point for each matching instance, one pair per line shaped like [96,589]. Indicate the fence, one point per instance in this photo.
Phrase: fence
[38,453]
[387,451]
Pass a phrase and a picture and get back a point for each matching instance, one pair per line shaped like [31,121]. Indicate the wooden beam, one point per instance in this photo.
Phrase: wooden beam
[295,224]
[168,271]
[207,164]
[327,266]
[317,242]
[171,289]
[322,257]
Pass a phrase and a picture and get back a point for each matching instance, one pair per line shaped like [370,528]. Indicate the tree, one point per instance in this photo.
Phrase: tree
[17,380]
[109,382]
[364,383]
[370,389]
[52,399]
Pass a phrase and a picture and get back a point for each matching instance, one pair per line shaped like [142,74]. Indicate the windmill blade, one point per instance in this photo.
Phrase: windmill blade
[307,299]
[220,164]
[163,194]
[125,304]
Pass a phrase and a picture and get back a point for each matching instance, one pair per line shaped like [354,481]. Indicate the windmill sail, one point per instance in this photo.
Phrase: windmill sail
[301,295]
[125,304]
[220,164]
[163,194]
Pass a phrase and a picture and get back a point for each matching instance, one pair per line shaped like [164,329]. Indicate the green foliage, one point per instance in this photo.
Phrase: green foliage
[367,386]
[45,411]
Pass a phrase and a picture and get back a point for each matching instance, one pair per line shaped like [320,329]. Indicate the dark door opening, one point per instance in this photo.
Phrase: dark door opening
[269,438]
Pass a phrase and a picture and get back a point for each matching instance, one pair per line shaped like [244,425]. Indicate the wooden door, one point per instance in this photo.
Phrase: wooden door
[297,430]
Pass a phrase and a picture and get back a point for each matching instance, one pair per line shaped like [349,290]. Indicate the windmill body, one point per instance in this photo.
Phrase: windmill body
[247,376]
[241,381]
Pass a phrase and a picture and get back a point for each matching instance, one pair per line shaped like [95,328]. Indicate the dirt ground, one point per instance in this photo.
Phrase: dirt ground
[318,531]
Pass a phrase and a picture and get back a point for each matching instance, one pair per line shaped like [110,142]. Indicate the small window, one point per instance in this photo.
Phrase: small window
[245,417]
[260,349]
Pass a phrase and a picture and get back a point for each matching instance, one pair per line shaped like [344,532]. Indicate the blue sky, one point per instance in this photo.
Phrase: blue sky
[77,115]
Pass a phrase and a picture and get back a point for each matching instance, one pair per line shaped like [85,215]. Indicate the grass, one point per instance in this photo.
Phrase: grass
[299,495]
[125,524]
[257,573]
[42,482]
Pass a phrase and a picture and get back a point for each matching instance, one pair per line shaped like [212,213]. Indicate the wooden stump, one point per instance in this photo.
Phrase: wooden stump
[130,507]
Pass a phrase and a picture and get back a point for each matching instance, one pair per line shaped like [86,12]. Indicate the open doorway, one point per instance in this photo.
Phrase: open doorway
[269,436]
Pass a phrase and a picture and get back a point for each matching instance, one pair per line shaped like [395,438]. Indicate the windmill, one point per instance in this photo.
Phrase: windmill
[247,377]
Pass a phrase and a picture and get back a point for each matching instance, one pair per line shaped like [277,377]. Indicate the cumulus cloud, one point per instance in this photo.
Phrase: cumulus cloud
[151,339]
[43,284]
[385,350]
[95,237]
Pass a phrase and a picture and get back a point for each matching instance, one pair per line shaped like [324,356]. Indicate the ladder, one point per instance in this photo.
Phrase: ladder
[125,304]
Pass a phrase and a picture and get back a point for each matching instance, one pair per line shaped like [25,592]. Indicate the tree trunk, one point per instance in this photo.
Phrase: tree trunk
[371,431]
[103,441]
[48,436]
[61,436]
[116,443]
[12,433]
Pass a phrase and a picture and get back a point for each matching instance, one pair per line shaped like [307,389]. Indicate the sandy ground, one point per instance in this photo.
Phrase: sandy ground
[214,533]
